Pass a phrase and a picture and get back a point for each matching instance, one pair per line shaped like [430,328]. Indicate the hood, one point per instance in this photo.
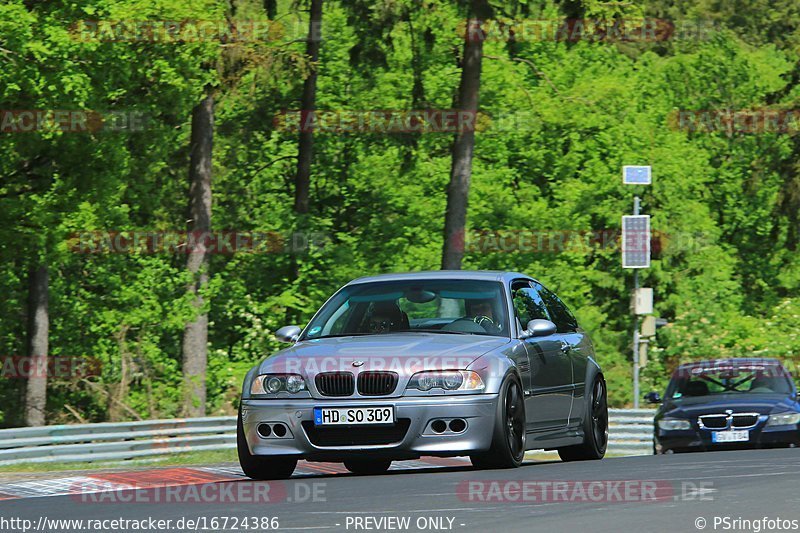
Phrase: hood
[404,353]
[692,407]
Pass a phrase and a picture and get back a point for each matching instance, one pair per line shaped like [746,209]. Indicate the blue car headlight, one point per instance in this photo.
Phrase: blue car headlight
[783,419]
[673,424]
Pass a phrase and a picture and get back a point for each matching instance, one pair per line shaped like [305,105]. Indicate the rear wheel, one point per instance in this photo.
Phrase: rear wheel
[367,467]
[261,467]
[595,427]
[508,439]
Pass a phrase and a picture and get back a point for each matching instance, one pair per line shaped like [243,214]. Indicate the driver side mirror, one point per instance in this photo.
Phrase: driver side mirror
[288,334]
[652,397]
[538,328]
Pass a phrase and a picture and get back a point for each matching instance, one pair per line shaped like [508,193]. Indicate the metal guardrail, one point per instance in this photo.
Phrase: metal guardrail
[630,433]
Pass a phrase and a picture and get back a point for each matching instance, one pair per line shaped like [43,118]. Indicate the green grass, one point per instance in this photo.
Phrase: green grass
[176,459]
[179,459]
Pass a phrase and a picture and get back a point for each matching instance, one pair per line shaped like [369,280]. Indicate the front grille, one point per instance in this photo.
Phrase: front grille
[335,383]
[736,420]
[356,435]
[376,383]
[745,421]
[714,421]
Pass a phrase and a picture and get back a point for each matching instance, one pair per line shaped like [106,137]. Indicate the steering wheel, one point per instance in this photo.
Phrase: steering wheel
[483,319]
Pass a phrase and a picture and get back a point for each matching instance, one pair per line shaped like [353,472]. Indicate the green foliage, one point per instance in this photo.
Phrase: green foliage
[727,279]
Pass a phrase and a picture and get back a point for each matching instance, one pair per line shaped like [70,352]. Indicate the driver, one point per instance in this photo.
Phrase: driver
[386,316]
[482,313]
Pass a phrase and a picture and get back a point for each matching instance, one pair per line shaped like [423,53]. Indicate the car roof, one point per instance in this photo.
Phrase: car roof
[731,361]
[477,275]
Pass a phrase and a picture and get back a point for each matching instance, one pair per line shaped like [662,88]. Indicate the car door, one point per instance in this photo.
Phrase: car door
[549,399]
[572,341]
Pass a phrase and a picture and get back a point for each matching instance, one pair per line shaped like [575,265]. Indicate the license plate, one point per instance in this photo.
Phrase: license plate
[730,436]
[347,416]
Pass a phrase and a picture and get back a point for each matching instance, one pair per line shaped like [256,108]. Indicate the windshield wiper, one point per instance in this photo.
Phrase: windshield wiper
[423,330]
[338,335]
[361,334]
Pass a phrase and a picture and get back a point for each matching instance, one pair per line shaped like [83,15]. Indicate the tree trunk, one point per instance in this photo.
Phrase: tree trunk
[305,153]
[195,334]
[455,218]
[38,326]
[271,7]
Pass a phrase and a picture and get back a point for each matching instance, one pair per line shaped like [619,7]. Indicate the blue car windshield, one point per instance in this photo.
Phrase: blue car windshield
[414,305]
[714,380]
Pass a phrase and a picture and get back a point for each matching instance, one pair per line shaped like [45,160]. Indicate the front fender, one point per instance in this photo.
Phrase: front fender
[493,369]
[580,407]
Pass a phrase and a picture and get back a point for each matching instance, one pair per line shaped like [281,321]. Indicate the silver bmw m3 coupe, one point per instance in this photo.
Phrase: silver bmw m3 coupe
[444,363]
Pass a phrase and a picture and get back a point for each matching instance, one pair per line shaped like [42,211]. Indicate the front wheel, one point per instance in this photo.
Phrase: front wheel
[260,467]
[367,467]
[508,438]
[595,426]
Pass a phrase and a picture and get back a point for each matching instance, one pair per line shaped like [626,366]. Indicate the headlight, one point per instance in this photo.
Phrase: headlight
[275,383]
[783,419]
[673,424]
[447,380]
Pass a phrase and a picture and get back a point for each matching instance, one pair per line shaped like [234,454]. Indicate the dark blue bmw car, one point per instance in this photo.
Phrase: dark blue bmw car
[727,404]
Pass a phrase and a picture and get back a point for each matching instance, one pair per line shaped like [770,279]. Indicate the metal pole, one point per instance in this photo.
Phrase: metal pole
[635,324]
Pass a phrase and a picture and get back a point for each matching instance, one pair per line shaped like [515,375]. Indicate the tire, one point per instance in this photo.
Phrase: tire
[366,467]
[261,467]
[508,437]
[595,428]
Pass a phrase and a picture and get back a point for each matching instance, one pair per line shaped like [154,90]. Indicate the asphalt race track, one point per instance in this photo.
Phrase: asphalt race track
[661,493]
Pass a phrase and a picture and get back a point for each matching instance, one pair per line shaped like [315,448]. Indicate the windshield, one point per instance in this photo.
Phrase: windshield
[463,307]
[732,379]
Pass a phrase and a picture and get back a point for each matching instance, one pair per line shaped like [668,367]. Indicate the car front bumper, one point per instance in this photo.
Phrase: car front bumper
[410,437]
[700,439]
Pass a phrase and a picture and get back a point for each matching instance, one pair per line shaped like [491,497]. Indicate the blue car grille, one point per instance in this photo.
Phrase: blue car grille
[733,421]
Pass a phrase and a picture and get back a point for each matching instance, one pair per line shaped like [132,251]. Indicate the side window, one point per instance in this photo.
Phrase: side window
[529,305]
[563,319]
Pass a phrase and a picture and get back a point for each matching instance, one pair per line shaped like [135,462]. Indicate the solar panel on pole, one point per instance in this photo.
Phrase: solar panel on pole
[636,241]
[636,175]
